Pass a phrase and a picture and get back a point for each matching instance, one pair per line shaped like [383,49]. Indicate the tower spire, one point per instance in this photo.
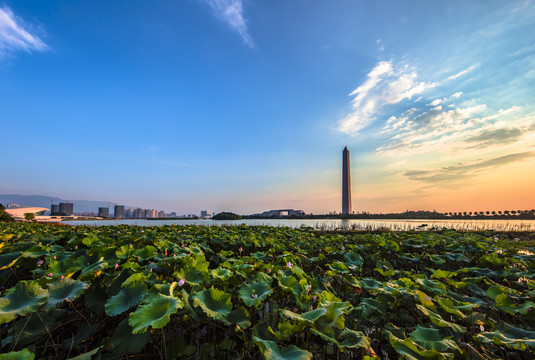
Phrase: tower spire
[346,183]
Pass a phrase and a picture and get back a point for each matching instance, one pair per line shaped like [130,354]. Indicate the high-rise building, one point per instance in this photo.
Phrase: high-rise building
[118,211]
[103,212]
[54,209]
[66,208]
[205,214]
[346,183]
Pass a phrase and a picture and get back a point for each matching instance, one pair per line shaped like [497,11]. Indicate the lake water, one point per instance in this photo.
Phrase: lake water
[332,224]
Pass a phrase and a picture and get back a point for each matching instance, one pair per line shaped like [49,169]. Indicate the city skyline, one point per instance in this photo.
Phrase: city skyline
[182,106]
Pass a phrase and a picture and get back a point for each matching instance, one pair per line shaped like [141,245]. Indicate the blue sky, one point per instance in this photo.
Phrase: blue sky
[246,105]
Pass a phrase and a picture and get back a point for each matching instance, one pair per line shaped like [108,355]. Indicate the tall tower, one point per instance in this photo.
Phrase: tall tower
[346,183]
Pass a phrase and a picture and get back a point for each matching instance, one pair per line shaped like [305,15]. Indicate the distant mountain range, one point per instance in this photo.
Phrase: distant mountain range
[80,206]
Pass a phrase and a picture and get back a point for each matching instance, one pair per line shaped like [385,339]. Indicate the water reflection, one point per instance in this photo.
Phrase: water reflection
[338,224]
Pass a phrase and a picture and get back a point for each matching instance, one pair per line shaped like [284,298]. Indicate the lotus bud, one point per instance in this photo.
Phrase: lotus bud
[181,282]
[116,266]
[165,253]
[289,265]
[481,327]
[61,277]
[311,307]
[241,249]
[315,298]
[49,275]
[39,263]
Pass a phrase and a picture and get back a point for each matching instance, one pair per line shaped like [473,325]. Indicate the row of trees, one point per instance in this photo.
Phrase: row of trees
[509,214]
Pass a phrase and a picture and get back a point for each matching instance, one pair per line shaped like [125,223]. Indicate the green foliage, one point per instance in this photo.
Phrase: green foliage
[4,216]
[261,292]
[226,216]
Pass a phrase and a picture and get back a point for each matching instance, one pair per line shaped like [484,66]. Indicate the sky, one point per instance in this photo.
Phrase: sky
[246,105]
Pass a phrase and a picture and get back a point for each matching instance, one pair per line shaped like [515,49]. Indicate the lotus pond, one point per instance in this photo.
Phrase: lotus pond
[197,292]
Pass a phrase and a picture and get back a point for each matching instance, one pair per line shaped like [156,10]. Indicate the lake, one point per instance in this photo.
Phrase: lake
[333,224]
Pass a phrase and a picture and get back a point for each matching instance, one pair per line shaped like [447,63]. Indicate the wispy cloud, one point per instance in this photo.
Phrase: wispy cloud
[231,11]
[15,35]
[459,172]
[447,130]
[385,85]
[463,72]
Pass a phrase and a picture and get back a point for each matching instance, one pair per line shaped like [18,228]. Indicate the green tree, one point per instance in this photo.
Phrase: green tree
[29,216]
[4,216]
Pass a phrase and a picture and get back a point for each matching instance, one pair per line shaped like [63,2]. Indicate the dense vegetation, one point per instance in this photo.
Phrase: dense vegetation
[253,292]
[4,216]
[226,216]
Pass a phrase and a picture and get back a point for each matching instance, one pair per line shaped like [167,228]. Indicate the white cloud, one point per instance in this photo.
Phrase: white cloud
[436,102]
[457,94]
[463,72]
[15,36]
[231,11]
[448,131]
[384,86]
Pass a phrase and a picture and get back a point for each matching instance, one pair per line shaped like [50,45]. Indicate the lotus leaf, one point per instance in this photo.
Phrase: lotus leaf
[271,351]
[512,337]
[221,274]
[128,297]
[123,252]
[64,267]
[124,341]
[430,339]
[287,283]
[333,318]
[456,257]
[156,313]
[371,284]
[507,304]
[215,303]
[368,306]
[263,277]
[8,260]
[346,338]
[439,321]
[449,306]
[145,253]
[437,259]
[425,300]
[90,271]
[24,354]
[432,286]
[240,317]
[253,294]
[86,356]
[340,267]
[439,274]
[494,290]
[25,298]
[286,330]
[190,274]
[308,317]
[66,289]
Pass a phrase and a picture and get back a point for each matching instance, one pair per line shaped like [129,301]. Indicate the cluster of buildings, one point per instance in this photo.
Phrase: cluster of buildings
[120,212]
[280,213]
